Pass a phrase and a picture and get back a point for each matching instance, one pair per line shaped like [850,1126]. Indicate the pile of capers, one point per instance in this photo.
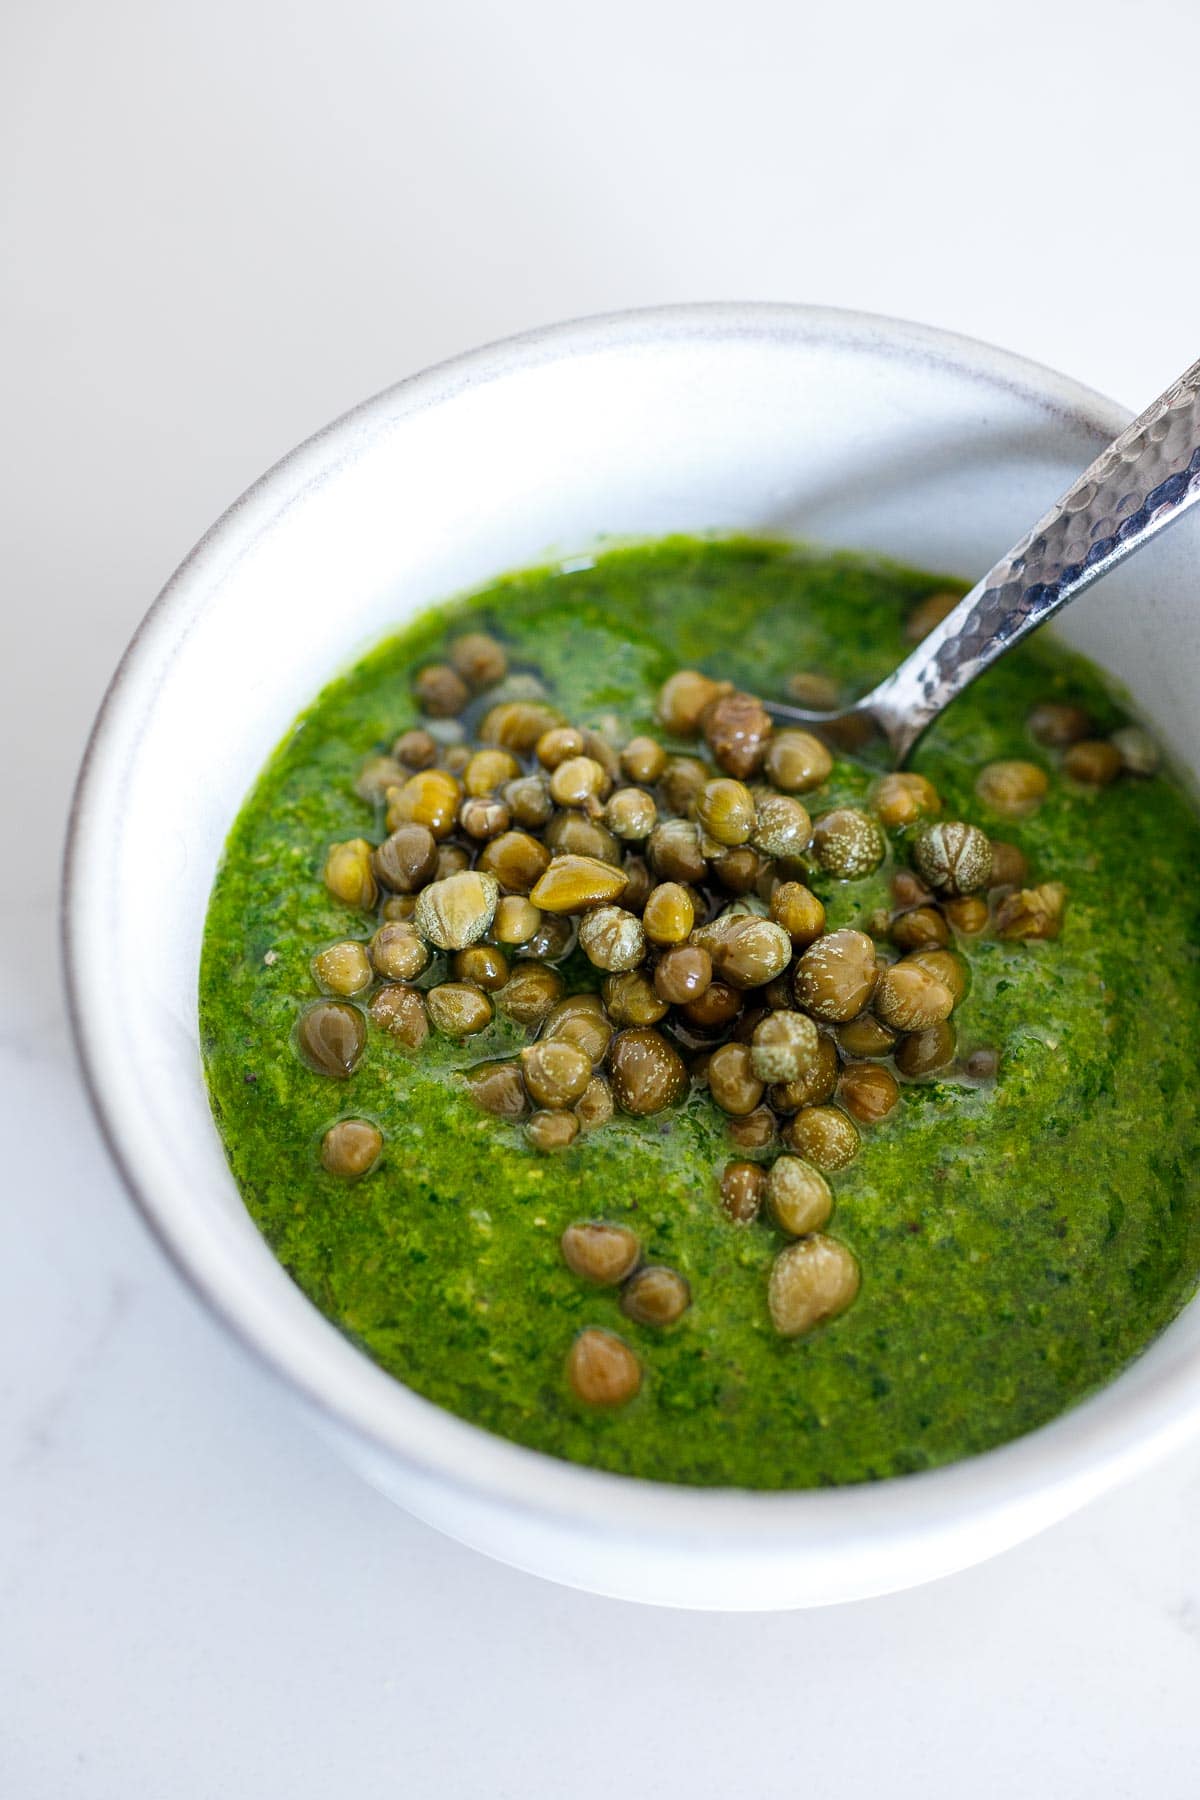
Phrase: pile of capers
[645,914]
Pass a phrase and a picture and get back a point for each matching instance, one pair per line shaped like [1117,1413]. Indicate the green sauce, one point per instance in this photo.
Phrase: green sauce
[1019,1242]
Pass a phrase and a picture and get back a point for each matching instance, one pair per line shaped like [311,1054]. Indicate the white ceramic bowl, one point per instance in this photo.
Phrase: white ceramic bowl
[821,425]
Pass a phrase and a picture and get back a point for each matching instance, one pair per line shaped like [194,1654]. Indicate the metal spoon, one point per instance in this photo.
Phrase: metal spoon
[1143,482]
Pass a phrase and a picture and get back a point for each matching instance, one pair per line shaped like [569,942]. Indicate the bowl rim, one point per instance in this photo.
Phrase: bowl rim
[1047,1471]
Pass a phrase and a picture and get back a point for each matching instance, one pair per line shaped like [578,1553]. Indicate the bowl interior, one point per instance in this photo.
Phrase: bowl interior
[810,425]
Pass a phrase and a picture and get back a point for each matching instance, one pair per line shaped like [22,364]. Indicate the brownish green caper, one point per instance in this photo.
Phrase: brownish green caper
[673,852]
[814,690]
[782,829]
[902,798]
[458,910]
[982,1064]
[643,760]
[669,914]
[530,992]
[458,1010]
[1094,762]
[488,771]
[953,858]
[739,871]
[573,883]
[483,965]
[604,1254]
[349,875]
[516,860]
[712,1010]
[646,1071]
[1032,913]
[734,1086]
[611,938]
[441,691]
[484,817]
[558,745]
[681,781]
[824,1136]
[415,749]
[351,1148]
[577,781]
[725,810]
[836,975]
[743,1190]
[866,1036]
[655,1296]
[517,725]
[556,1072]
[573,833]
[376,776]
[683,698]
[753,1132]
[528,800]
[1010,865]
[908,997]
[683,974]
[738,729]
[330,1036]
[814,1084]
[430,798]
[746,951]
[343,968]
[847,843]
[551,942]
[797,762]
[595,1105]
[479,659]
[515,920]
[452,860]
[400,1011]
[798,910]
[631,998]
[580,1019]
[921,929]
[798,1195]
[1012,788]
[398,952]
[549,1131]
[638,882]
[602,1370]
[925,1052]
[631,815]
[497,1088]
[406,859]
[967,913]
[1056,724]
[812,1280]
[783,1046]
[868,1092]
[947,967]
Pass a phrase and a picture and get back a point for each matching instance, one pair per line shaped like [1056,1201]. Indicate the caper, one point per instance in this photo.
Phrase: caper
[908,889]
[631,999]
[515,919]
[798,1195]
[783,1046]
[655,1296]
[441,691]
[330,1036]
[376,776]
[517,724]
[556,1072]
[549,1131]
[901,798]
[924,1052]
[483,965]
[681,781]
[631,815]
[947,967]
[400,1011]
[646,1071]
[456,911]
[909,997]
[1010,866]
[456,759]
[668,915]
[497,1088]
[1139,753]
[1056,724]
[643,760]
[348,874]
[743,1190]
[580,1019]
[783,827]
[953,858]
[406,859]
[611,938]
[836,975]
[818,692]
[683,698]
[812,1280]
[430,798]
[848,844]
[738,871]
[595,1105]
[516,860]
[921,929]
[823,1135]
[415,749]
[866,1036]
[797,762]
[725,811]
[968,914]
[573,883]
[553,940]
[602,1370]
[868,1092]
[577,781]
[529,993]
[753,1132]
[458,1010]
[798,910]
[572,833]
[746,951]
[1093,762]
[927,613]
[488,771]
[479,659]
[1032,912]
[734,1086]
[605,1254]
[528,800]
[351,1148]
[638,882]
[683,974]
[1014,789]
[483,818]
[738,729]
[813,1085]
[712,1010]
[673,851]
[598,745]
[343,968]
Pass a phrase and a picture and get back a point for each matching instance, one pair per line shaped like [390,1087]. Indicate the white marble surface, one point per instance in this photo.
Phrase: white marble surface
[222,224]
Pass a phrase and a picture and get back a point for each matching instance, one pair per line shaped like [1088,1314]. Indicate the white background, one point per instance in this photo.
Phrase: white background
[223,223]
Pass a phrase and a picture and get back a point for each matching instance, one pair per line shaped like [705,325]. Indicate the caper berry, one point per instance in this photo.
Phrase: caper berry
[908,889]
[647,1072]
[452,859]
[902,798]
[848,844]
[924,1052]
[836,975]
[605,1254]
[497,1088]
[349,875]
[1093,762]
[946,966]
[483,965]
[812,1280]
[655,1296]
[530,992]
[556,1072]
[823,1135]
[683,974]
[738,729]
[343,968]
[743,1190]
[415,749]
[784,1044]
[797,762]
[430,798]
[798,910]
[551,942]
[516,860]
[455,759]
[643,760]
[330,1036]
[351,1148]
[921,929]
[441,691]
[595,1105]
[557,745]
[454,912]
[739,871]
[953,858]
[725,811]
[631,815]
[406,859]
[611,938]
[1013,789]
[549,1131]
[458,1010]
[1056,724]
[683,698]
[602,1370]
[400,1011]
[798,1195]
[488,771]
[868,1092]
